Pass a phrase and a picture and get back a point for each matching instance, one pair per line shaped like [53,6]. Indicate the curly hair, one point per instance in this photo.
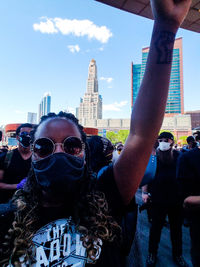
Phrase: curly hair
[91,213]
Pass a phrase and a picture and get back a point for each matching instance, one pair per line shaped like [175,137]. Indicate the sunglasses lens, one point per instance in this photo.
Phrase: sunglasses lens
[73,146]
[43,147]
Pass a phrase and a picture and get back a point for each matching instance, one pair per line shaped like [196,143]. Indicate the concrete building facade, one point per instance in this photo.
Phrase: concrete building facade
[195,118]
[91,104]
[32,117]
[180,125]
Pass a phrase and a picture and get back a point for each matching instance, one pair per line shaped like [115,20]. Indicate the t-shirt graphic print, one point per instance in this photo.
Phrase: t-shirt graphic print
[58,244]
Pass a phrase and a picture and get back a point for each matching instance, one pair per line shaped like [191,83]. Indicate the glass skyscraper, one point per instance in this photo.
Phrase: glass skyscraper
[45,105]
[175,103]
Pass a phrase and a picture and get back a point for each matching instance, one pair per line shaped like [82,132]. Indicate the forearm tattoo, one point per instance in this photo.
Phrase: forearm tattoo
[164,47]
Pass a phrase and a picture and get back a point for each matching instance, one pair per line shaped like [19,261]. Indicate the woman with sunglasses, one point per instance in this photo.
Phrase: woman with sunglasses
[64,216]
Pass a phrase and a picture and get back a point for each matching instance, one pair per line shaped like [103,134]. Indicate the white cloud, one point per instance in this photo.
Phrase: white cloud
[45,27]
[101,48]
[108,80]
[73,48]
[75,27]
[115,106]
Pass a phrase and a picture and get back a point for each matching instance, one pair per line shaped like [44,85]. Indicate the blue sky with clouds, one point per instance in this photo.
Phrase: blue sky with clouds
[46,46]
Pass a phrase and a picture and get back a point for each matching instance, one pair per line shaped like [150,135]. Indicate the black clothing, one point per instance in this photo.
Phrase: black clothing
[188,174]
[17,170]
[165,201]
[164,187]
[111,254]
[159,214]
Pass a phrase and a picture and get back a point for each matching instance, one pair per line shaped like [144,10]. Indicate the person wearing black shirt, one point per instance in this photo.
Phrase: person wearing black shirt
[86,223]
[164,201]
[15,164]
[188,174]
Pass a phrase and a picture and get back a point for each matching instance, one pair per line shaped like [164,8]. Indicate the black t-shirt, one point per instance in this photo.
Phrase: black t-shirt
[17,170]
[188,175]
[111,254]
[164,187]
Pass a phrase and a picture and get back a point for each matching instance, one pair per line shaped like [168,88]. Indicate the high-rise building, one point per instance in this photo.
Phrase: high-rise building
[195,118]
[45,105]
[32,118]
[91,104]
[175,104]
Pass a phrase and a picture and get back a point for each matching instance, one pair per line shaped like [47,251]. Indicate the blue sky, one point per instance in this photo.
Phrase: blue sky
[46,46]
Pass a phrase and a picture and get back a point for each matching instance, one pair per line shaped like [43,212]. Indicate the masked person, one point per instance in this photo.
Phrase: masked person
[165,201]
[117,151]
[65,216]
[119,148]
[101,152]
[16,163]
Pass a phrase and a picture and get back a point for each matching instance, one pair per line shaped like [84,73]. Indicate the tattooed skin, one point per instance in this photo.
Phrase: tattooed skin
[164,46]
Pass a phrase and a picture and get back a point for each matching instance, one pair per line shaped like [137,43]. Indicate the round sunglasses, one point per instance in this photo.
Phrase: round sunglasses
[44,147]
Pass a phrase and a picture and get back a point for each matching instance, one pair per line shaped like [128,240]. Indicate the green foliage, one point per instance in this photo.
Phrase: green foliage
[112,136]
[183,140]
[121,136]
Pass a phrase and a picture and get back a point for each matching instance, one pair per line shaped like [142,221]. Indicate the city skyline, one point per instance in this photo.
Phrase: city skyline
[39,52]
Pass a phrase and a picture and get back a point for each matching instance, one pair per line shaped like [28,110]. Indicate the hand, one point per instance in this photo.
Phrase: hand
[170,12]
[192,202]
[8,186]
[145,197]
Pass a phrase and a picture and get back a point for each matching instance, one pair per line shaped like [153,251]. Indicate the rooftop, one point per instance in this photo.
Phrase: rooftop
[142,8]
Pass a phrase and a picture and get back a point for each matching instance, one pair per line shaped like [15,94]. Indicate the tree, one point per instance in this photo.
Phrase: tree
[183,140]
[121,136]
[112,136]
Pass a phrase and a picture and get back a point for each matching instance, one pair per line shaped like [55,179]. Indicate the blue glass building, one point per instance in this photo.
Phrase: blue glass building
[45,105]
[175,104]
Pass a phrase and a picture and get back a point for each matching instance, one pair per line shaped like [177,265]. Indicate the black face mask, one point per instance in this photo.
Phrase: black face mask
[59,173]
[25,139]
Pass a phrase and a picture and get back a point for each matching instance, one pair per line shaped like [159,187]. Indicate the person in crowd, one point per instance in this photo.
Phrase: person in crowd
[164,201]
[149,175]
[191,143]
[64,216]
[188,174]
[15,164]
[119,148]
[117,151]
[101,152]
[197,137]
[4,149]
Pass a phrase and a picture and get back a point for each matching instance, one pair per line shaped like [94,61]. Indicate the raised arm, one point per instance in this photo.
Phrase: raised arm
[149,108]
